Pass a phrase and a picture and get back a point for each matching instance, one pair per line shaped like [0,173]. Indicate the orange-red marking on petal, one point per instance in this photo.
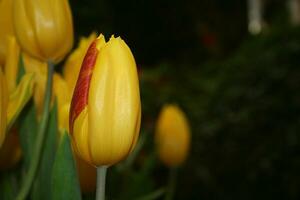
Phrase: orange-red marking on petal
[80,95]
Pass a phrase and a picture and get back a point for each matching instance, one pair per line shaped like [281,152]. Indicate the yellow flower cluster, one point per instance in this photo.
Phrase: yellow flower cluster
[37,42]
[97,95]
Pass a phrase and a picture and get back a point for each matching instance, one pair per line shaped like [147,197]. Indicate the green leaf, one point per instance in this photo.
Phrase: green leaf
[7,186]
[65,183]
[42,182]
[28,131]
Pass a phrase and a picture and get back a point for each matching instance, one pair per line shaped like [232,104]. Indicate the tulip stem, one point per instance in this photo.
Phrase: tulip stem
[171,184]
[36,154]
[101,179]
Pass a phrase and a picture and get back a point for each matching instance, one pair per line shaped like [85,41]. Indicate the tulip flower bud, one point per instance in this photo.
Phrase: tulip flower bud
[3,106]
[44,28]
[172,136]
[105,111]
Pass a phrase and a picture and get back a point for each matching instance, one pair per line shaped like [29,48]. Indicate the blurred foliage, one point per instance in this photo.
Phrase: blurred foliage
[245,119]
[172,30]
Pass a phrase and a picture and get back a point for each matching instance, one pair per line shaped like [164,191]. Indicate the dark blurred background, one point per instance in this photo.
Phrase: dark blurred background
[241,92]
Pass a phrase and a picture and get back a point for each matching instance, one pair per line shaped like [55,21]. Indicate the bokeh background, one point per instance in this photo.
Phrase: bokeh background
[241,93]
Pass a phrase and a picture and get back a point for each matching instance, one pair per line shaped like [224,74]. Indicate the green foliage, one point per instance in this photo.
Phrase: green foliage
[65,184]
[28,130]
[42,182]
[244,114]
[8,186]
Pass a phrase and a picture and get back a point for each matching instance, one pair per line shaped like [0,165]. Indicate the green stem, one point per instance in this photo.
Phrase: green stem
[171,184]
[101,177]
[36,154]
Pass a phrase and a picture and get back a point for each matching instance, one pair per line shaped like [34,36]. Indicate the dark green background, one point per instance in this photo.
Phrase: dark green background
[241,93]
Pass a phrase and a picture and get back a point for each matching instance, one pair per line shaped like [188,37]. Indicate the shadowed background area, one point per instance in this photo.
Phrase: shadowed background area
[239,92]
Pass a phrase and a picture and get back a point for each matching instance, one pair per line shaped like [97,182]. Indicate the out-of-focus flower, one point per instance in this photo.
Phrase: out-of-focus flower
[105,111]
[19,97]
[44,28]
[13,97]
[6,25]
[18,93]
[10,152]
[12,102]
[39,69]
[11,64]
[3,106]
[61,91]
[172,136]
[73,63]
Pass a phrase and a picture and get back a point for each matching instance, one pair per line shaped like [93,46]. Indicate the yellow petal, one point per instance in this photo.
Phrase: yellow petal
[72,66]
[3,106]
[12,63]
[10,152]
[63,118]
[80,136]
[19,98]
[172,136]
[39,69]
[6,27]
[33,65]
[61,90]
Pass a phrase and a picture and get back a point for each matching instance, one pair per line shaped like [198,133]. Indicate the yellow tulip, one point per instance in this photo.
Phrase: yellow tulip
[172,136]
[60,88]
[105,111]
[73,63]
[3,108]
[6,27]
[44,28]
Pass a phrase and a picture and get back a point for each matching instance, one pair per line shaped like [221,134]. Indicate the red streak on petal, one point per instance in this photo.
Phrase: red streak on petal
[81,91]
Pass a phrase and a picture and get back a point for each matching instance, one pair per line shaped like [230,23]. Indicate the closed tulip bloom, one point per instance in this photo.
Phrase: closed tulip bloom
[44,28]
[172,136]
[105,112]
